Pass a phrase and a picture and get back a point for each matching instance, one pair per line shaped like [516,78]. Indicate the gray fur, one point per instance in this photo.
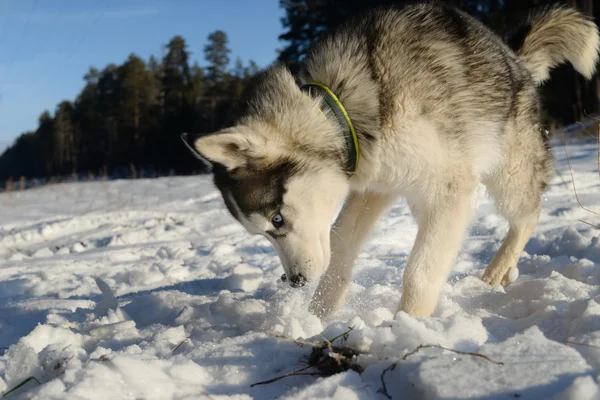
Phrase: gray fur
[440,103]
[553,36]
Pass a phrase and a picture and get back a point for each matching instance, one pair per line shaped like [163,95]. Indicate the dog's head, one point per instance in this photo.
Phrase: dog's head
[280,173]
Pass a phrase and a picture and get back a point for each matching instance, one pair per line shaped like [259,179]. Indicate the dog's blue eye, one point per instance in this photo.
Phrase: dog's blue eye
[277,220]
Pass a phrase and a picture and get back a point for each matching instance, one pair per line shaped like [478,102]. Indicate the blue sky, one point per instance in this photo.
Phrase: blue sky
[47,46]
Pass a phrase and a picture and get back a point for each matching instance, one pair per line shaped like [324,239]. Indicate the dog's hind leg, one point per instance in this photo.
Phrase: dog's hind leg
[442,220]
[517,189]
[499,269]
[356,220]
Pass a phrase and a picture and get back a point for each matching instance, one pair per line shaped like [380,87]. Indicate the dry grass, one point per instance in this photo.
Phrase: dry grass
[20,385]
[596,125]
[9,186]
[325,359]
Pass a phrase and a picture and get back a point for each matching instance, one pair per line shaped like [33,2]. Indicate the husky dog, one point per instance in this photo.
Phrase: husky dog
[422,102]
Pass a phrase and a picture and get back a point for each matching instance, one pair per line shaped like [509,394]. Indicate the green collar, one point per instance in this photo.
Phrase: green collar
[331,101]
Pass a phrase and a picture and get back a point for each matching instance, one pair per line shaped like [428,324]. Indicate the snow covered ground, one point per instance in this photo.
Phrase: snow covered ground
[148,289]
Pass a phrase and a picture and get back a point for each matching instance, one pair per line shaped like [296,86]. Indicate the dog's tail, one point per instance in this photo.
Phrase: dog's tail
[555,35]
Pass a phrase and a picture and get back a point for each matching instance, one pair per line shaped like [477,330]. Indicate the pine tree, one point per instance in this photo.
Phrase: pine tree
[65,138]
[45,135]
[177,106]
[89,121]
[216,53]
[135,92]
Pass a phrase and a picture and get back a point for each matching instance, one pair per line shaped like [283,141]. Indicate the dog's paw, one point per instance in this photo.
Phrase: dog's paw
[511,276]
[495,277]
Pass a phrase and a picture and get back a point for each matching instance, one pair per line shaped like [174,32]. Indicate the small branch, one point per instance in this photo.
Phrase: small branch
[293,373]
[581,344]
[279,336]
[573,178]
[309,374]
[423,346]
[338,360]
[332,353]
[326,343]
[383,390]
[344,335]
[181,344]
[208,396]
[588,223]
[31,378]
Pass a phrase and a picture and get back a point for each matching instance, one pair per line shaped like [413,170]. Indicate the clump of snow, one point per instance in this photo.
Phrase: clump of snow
[149,289]
[583,388]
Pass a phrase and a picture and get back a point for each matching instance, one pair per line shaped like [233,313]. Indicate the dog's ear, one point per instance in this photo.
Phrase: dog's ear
[228,147]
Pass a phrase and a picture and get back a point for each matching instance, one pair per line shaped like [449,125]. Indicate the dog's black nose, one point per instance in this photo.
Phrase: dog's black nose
[297,281]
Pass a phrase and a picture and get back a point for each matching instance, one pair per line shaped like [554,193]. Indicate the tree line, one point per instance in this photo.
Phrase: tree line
[129,116]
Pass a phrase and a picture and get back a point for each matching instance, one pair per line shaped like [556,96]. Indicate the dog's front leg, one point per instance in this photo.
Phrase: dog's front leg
[442,223]
[357,218]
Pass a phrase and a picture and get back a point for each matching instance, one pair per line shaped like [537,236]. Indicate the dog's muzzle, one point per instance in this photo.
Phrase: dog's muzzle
[295,281]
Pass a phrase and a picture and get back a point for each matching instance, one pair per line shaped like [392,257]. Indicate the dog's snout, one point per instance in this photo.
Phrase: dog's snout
[297,280]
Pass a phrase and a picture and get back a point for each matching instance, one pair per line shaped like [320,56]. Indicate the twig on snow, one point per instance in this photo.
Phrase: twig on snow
[595,137]
[581,344]
[573,177]
[466,353]
[336,360]
[383,389]
[31,378]
[293,373]
[312,344]
[208,396]
[181,344]
[297,341]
